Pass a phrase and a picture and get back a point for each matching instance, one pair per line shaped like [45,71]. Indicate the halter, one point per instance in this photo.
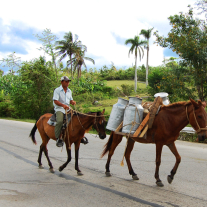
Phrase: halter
[94,122]
[199,129]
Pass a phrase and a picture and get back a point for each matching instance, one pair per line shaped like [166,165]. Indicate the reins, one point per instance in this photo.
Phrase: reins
[199,129]
[76,112]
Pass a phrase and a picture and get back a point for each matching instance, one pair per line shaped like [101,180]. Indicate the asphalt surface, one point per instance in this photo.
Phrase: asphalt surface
[22,183]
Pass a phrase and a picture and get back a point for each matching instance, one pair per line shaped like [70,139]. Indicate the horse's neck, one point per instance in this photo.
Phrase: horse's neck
[86,121]
[177,117]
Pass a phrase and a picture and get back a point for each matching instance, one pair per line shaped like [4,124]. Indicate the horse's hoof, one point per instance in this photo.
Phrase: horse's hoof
[159,183]
[108,174]
[79,173]
[135,177]
[41,167]
[60,169]
[51,170]
[169,179]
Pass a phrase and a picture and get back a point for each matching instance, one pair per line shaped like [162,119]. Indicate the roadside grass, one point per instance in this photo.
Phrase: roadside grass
[118,83]
[24,120]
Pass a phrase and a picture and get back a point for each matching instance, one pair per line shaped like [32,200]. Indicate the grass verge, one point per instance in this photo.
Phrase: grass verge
[24,120]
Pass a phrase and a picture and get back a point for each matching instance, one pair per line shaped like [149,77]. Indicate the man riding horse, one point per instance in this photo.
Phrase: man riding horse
[62,98]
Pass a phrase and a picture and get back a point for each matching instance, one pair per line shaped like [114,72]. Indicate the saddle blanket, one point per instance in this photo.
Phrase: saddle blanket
[52,121]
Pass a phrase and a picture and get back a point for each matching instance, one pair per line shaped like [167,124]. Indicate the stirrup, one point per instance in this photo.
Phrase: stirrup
[59,142]
[84,140]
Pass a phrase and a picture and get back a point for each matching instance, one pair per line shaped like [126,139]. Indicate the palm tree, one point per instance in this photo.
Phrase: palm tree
[147,35]
[79,60]
[136,46]
[68,47]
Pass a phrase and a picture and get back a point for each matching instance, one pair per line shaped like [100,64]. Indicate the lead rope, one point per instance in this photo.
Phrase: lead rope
[67,131]
[127,137]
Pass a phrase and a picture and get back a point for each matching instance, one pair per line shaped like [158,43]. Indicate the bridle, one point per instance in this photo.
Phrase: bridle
[95,123]
[199,129]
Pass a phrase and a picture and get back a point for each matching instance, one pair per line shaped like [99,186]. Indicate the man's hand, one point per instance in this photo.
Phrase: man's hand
[73,102]
[66,107]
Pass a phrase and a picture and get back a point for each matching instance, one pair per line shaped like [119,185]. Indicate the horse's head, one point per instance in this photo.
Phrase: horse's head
[99,124]
[198,119]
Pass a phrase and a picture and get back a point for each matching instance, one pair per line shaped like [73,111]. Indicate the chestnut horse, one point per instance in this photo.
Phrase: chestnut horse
[170,120]
[77,127]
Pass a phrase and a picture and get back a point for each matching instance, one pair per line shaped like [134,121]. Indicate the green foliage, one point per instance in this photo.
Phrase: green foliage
[175,81]
[33,97]
[127,89]
[1,72]
[111,74]
[188,38]
[6,107]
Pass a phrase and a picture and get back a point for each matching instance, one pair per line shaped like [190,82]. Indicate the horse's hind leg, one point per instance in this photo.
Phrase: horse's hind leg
[173,149]
[129,148]
[43,148]
[158,162]
[116,140]
[48,159]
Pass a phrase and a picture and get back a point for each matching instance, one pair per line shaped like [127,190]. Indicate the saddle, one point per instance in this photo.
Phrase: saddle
[52,121]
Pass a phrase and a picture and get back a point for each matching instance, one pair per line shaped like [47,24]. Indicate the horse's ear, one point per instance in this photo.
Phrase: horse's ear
[103,111]
[196,105]
[204,104]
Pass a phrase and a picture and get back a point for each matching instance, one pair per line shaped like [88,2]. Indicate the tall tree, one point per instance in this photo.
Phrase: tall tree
[136,47]
[147,35]
[68,47]
[188,38]
[79,60]
[12,62]
[48,41]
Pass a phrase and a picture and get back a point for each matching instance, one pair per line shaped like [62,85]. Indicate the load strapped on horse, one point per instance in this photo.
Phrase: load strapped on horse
[132,118]
[157,122]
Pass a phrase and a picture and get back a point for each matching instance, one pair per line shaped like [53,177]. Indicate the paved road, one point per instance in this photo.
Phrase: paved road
[22,183]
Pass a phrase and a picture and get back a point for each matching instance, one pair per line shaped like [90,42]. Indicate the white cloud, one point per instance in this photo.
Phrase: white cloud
[94,21]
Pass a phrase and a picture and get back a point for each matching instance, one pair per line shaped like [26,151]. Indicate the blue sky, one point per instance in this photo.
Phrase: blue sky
[103,26]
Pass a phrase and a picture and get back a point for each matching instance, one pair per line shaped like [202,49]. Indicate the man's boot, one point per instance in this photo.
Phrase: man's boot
[84,140]
[59,142]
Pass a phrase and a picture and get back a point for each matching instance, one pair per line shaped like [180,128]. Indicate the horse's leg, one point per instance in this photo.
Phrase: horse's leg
[116,140]
[129,148]
[43,148]
[173,149]
[40,157]
[48,159]
[77,145]
[69,157]
[159,147]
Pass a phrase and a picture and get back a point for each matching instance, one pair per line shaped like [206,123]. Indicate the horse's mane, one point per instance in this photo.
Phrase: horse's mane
[89,113]
[173,105]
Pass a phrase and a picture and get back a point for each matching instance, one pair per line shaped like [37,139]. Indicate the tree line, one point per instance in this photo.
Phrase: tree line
[28,93]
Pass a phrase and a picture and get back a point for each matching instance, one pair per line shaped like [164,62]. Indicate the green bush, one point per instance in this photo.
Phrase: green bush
[7,108]
[127,89]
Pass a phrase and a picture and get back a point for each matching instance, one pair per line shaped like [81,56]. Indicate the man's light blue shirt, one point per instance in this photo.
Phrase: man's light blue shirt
[61,96]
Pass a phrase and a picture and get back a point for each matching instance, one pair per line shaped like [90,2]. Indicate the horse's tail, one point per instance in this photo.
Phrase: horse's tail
[108,145]
[32,133]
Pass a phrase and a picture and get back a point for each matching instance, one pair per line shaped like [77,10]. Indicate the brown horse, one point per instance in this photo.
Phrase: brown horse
[170,120]
[77,127]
